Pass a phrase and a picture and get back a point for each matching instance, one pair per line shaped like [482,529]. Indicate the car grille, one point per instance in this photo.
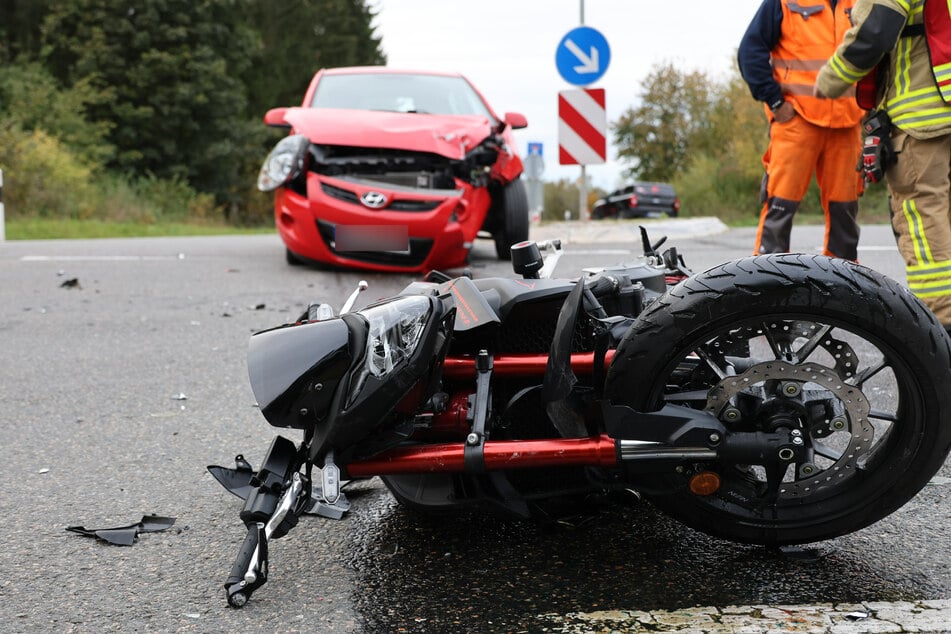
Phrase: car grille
[397,204]
[419,249]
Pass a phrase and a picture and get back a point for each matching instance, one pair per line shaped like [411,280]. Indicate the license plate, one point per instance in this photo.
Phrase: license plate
[393,238]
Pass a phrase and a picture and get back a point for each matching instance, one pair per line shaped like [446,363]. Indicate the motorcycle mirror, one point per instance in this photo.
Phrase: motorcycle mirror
[650,250]
[527,259]
[361,286]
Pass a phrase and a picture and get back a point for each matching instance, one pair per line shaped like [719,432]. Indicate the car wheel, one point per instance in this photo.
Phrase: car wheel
[514,219]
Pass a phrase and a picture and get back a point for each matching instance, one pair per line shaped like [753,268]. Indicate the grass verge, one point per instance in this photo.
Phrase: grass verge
[67,229]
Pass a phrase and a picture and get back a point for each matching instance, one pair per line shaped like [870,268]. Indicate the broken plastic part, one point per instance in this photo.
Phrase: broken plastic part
[238,482]
[125,535]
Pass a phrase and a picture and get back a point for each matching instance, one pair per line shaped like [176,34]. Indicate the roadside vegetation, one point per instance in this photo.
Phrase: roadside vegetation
[146,120]
[706,137]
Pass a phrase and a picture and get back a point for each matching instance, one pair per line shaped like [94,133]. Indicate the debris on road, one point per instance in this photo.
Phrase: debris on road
[126,535]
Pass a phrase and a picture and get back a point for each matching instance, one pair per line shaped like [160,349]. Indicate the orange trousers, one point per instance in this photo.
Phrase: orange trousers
[797,150]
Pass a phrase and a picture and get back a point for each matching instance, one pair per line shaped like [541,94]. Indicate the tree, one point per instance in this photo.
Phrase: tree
[169,71]
[31,99]
[20,22]
[658,137]
[298,39]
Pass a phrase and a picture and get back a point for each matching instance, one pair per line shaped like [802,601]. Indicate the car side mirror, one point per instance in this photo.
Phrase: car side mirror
[516,120]
[275,118]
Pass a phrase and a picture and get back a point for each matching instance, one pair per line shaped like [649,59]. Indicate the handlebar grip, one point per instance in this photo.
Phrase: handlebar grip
[243,560]
[601,285]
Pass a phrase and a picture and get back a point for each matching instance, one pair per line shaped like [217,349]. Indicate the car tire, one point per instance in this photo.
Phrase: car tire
[514,219]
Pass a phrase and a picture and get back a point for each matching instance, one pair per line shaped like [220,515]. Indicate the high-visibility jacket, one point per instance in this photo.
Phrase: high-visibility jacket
[809,37]
[912,98]
[937,20]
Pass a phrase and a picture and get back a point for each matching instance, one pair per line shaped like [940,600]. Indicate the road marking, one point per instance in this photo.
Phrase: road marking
[598,252]
[96,258]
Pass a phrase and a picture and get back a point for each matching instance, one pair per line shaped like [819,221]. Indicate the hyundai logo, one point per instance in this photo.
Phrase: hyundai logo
[373,200]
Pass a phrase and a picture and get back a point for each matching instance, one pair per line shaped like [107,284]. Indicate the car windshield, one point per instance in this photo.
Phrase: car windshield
[399,92]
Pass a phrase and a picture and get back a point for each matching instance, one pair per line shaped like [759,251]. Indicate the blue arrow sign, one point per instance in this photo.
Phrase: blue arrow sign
[582,56]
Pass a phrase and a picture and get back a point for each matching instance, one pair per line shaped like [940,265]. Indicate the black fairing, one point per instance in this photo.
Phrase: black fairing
[295,369]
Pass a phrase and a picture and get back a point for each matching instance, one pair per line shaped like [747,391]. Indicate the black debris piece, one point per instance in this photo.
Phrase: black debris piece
[72,282]
[126,535]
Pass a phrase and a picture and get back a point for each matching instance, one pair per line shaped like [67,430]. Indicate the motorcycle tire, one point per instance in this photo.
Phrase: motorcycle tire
[514,219]
[731,339]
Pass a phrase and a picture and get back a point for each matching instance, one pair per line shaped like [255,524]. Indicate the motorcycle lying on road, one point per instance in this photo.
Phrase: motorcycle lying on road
[774,400]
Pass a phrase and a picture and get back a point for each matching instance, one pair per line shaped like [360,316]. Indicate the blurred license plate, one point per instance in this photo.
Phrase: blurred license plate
[372,238]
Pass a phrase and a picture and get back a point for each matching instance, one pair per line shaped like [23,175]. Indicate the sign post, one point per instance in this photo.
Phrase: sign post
[534,170]
[582,57]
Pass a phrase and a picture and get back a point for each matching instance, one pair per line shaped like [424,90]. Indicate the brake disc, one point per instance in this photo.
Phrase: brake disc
[853,400]
[786,332]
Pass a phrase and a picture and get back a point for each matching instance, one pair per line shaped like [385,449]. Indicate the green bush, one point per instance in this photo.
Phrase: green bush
[43,178]
[708,188]
[713,188]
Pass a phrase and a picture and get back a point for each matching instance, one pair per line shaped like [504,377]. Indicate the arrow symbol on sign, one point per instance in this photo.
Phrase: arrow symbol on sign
[589,63]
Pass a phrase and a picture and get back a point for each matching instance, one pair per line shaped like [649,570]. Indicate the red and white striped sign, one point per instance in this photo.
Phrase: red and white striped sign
[582,126]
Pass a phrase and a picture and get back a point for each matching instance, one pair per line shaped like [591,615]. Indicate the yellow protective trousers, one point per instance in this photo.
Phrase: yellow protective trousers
[797,150]
[920,188]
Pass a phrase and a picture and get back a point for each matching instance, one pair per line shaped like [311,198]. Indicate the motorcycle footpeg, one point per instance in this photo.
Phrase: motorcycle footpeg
[250,568]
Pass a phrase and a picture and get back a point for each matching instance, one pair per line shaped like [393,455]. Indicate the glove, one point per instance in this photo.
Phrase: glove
[878,153]
[871,163]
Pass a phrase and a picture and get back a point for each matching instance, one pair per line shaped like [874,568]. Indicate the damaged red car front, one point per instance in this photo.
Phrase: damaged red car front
[392,170]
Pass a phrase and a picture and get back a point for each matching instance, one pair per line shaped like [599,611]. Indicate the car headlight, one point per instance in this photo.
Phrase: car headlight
[394,332]
[284,163]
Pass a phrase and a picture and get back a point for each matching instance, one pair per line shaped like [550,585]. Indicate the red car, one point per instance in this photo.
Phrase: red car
[390,170]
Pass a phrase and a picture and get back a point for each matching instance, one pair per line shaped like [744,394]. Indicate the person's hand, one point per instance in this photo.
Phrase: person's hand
[784,113]
[817,93]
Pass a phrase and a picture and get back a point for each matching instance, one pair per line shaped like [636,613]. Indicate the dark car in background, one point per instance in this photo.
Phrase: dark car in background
[638,200]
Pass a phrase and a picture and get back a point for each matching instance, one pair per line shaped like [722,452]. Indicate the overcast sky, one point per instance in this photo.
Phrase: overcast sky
[507,49]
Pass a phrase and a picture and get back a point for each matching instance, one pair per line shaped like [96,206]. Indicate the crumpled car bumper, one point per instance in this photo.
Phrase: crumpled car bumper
[439,224]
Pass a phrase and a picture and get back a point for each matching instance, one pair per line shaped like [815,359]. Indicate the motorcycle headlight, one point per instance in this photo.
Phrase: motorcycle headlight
[284,163]
[394,332]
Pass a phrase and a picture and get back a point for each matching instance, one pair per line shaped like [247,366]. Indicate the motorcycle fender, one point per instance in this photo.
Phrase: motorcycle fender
[294,370]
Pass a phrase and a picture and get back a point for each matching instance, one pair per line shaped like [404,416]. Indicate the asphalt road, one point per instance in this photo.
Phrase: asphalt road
[123,375]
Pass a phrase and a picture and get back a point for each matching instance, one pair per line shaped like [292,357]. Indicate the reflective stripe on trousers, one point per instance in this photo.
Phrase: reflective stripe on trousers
[920,186]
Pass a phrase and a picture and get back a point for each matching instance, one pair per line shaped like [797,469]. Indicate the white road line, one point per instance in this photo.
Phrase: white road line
[96,258]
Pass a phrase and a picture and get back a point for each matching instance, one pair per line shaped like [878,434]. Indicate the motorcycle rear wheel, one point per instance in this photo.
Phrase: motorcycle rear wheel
[849,357]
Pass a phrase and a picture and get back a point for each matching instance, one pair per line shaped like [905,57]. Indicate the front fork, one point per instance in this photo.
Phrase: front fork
[250,568]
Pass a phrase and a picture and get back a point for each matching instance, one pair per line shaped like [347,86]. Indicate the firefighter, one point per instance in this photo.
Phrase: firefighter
[779,57]
[914,94]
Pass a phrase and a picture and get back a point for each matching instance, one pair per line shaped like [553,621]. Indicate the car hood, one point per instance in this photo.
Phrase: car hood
[451,136]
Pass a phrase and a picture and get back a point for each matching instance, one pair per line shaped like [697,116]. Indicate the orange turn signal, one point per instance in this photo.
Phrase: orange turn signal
[705,483]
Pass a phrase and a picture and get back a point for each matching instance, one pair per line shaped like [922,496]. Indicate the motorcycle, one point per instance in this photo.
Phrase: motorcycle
[775,400]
